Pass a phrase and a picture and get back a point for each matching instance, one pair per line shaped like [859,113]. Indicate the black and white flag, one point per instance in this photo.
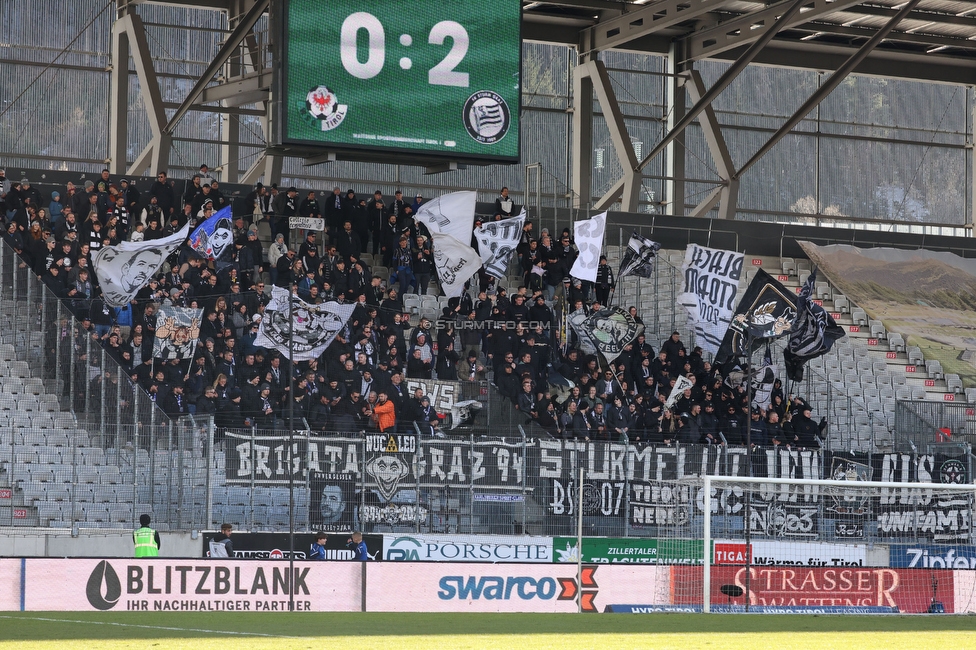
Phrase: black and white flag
[639,258]
[589,240]
[455,262]
[608,330]
[711,279]
[450,214]
[766,311]
[122,270]
[308,331]
[814,331]
[497,241]
[177,331]
[763,380]
[680,385]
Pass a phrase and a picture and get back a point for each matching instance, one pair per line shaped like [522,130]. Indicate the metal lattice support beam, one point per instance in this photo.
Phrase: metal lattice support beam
[129,38]
[233,42]
[650,18]
[723,82]
[728,192]
[829,85]
[746,29]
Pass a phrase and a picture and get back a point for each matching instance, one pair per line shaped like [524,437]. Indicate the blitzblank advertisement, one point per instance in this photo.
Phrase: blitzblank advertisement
[189,585]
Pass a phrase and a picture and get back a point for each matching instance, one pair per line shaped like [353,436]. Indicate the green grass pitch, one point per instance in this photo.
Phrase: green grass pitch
[257,631]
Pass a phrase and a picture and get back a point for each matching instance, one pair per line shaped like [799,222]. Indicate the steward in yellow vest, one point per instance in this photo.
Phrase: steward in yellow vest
[146,539]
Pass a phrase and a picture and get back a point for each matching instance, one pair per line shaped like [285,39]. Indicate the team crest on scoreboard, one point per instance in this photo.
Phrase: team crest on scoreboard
[486,117]
[322,109]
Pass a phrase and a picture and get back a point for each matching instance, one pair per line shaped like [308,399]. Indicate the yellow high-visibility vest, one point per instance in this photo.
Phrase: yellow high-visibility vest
[145,539]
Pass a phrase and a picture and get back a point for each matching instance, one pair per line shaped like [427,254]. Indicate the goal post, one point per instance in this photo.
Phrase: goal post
[779,545]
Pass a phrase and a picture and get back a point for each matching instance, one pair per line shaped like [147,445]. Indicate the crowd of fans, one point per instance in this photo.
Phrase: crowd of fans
[359,382]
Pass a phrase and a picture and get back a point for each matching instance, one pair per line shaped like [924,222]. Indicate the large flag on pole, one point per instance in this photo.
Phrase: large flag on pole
[455,263]
[639,257]
[124,269]
[589,240]
[307,330]
[497,241]
[711,279]
[766,311]
[608,331]
[177,331]
[814,332]
[449,214]
[214,238]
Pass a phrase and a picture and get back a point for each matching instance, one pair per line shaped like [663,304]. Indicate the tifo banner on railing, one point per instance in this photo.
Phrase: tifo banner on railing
[411,547]
[358,481]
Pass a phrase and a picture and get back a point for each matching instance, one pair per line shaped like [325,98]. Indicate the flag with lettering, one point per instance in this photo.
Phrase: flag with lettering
[589,240]
[497,241]
[711,280]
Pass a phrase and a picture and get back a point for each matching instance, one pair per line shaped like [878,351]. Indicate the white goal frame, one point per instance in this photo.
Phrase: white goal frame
[755,480]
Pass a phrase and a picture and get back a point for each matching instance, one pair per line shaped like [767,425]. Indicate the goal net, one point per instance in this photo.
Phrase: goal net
[832,546]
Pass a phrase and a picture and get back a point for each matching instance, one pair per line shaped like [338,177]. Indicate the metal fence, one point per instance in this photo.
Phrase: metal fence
[924,425]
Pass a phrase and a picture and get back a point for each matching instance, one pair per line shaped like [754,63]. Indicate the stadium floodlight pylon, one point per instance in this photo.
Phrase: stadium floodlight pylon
[833,546]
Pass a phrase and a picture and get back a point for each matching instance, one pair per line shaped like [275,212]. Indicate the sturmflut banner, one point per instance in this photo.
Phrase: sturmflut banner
[307,331]
[497,241]
[711,281]
[124,269]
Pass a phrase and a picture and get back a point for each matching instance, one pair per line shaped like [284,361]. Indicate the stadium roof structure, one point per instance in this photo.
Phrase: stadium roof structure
[924,40]
[935,41]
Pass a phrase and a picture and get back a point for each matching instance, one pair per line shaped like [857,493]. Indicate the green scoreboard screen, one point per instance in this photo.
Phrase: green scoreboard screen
[431,77]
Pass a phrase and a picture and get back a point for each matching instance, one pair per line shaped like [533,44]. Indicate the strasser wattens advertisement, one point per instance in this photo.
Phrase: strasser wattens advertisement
[427,76]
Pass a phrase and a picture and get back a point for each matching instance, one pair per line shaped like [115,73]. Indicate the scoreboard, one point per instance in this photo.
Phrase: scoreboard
[432,77]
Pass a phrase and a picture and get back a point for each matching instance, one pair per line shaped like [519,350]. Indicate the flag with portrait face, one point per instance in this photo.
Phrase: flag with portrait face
[124,269]
[177,331]
[639,257]
[214,238]
[307,330]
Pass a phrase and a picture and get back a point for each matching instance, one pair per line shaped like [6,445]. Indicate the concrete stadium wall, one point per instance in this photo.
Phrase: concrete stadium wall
[90,544]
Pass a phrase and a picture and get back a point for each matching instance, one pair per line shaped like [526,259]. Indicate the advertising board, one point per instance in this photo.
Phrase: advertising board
[789,554]
[908,590]
[467,548]
[917,556]
[91,584]
[608,550]
[553,588]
